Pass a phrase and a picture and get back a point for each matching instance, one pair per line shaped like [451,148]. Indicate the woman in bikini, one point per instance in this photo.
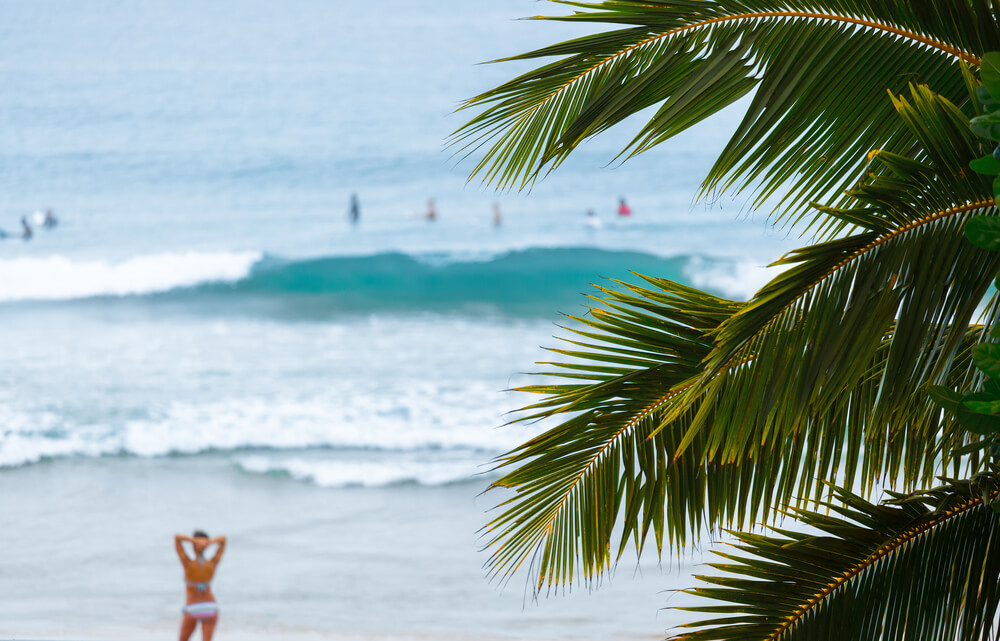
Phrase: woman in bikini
[198,573]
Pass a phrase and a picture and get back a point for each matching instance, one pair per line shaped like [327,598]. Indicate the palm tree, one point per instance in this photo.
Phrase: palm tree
[680,410]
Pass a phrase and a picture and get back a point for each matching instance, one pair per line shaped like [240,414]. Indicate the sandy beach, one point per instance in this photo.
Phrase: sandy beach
[303,562]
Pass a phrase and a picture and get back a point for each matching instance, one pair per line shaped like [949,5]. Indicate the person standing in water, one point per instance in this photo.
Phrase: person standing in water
[26,233]
[431,212]
[623,209]
[497,215]
[354,213]
[198,573]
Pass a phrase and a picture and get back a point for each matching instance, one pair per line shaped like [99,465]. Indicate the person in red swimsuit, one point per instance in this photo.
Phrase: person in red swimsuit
[198,574]
[623,209]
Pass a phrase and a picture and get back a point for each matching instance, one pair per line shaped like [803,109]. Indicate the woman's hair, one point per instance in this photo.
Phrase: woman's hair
[198,534]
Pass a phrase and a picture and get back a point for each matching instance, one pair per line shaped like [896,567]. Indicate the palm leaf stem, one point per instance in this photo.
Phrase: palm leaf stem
[575,484]
[808,15]
[758,15]
[944,213]
[916,566]
[879,553]
[738,359]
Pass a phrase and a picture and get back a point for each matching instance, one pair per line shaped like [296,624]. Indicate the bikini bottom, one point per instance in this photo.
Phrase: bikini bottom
[202,610]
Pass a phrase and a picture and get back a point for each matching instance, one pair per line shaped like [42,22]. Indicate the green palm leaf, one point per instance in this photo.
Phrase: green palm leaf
[614,463]
[819,71]
[913,277]
[925,566]
[687,409]
[574,482]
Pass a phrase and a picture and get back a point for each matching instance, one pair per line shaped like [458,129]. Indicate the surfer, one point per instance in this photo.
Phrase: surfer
[26,234]
[623,208]
[198,574]
[354,213]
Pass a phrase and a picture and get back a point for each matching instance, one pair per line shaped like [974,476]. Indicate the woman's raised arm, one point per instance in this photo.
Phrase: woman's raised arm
[178,539]
[221,540]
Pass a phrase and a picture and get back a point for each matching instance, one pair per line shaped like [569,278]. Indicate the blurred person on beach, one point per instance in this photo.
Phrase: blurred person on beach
[354,213]
[198,574]
[623,208]
[26,233]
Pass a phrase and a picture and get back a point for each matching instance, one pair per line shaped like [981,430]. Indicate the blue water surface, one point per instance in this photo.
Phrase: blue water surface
[206,329]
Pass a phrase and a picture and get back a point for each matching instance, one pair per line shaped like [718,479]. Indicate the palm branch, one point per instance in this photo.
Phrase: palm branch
[812,327]
[687,410]
[922,566]
[611,465]
[818,71]
[572,482]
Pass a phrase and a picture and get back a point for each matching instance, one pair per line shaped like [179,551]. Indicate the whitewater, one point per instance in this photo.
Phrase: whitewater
[207,341]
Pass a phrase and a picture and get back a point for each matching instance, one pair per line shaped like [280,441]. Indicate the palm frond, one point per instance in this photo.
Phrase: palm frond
[614,463]
[818,105]
[574,482]
[687,410]
[924,566]
[914,279]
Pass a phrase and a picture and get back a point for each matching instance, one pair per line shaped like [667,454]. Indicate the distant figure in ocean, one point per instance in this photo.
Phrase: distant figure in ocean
[354,213]
[50,221]
[431,212]
[623,208]
[592,220]
[497,216]
[26,232]
[198,573]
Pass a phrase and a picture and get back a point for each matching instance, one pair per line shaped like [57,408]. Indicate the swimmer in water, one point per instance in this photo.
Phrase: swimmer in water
[198,573]
[623,208]
[354,213]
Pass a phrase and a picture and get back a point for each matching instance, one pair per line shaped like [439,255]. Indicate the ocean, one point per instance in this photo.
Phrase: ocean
[207,341]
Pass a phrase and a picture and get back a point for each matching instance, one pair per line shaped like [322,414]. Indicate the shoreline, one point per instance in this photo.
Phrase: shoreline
[395,563]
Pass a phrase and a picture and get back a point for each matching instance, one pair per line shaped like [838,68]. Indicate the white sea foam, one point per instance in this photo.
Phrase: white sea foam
[424,418]
[28,437]
[734,279]
[58,278]
[435,469]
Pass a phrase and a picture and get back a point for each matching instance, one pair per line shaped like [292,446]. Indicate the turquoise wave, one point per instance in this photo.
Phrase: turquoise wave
[529,281]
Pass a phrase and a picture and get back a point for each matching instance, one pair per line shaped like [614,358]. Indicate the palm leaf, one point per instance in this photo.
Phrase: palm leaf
[614,462]
[572,483]
[814,327]
[575,483]
[687,410]
[817,108]
[924,566]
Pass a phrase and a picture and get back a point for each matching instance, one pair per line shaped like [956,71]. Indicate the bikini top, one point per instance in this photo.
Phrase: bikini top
[201,586]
